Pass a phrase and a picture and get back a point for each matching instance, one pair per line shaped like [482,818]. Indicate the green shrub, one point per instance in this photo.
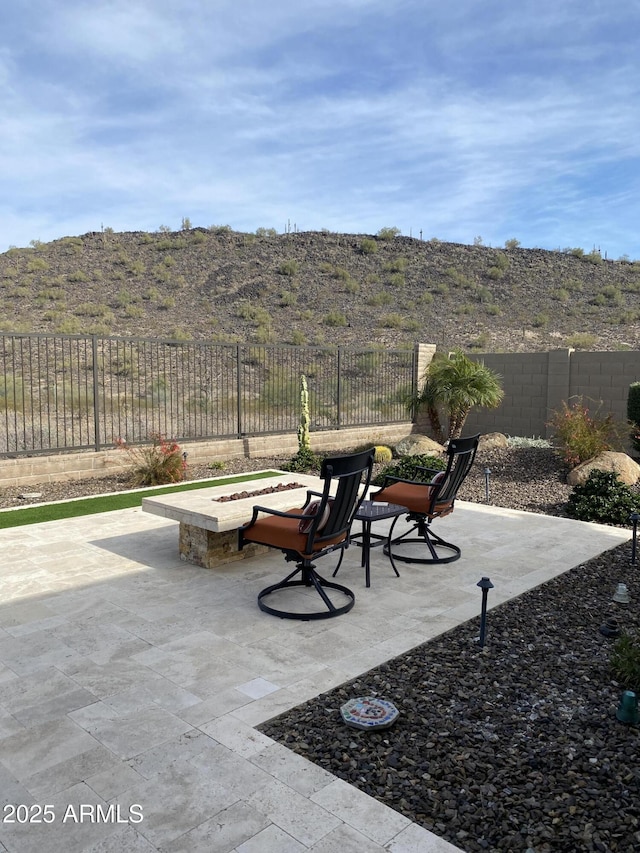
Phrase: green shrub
[396,265]
[391,321]
[397,279]
[625,661]
[303,462]
[157,464]
[37,265]
[405,468]
[377,300]
[511,244]
[298,338]
[388,233]
[580,434]
[581,340]
[289,268]
[368,247]
[604,498]
[335,318]
[287,298]
[12,394]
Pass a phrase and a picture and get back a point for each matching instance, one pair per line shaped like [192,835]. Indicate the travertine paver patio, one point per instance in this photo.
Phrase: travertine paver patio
[131,682]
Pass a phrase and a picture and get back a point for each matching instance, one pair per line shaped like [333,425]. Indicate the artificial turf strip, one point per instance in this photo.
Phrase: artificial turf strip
[107,503]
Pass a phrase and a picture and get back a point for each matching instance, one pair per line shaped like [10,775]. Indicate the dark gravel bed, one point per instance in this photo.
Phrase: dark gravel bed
[521,478]
[512,747]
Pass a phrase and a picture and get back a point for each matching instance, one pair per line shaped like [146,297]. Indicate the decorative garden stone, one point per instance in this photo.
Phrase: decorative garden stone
[627,470]
[369,712]
[417,445]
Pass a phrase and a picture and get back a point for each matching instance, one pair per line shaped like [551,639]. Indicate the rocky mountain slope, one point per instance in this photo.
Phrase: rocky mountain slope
[320,288]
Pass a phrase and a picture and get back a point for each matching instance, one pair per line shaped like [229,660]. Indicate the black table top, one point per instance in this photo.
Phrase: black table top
[370,510]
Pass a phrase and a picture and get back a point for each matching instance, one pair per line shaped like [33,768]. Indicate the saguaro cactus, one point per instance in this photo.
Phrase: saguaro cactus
[304,438]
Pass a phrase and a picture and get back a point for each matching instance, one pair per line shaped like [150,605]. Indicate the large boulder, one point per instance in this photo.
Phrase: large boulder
[416,445]
[493,441]
[627,470]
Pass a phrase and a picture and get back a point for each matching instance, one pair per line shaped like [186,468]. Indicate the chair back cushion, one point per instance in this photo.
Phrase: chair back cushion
[311,511]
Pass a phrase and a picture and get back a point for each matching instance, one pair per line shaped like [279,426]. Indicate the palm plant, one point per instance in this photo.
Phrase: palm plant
[454,384]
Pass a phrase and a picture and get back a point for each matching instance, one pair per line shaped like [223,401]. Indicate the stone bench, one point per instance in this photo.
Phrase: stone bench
[209,529]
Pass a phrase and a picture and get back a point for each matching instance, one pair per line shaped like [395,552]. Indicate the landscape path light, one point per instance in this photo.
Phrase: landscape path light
[487,474]
[485,585]
[621,595]
[633,518]
[610,627]
[628,708]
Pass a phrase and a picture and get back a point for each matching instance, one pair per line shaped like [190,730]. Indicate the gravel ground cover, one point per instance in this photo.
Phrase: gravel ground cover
[515,746]
[528,478]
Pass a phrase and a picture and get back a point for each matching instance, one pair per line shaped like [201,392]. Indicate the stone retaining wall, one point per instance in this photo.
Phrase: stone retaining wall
[30,470]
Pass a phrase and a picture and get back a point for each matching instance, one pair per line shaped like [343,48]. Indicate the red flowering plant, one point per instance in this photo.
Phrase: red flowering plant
[157,463]
[581,435]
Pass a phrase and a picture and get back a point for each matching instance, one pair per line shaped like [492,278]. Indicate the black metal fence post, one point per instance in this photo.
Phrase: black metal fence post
[239,391]
[96,400]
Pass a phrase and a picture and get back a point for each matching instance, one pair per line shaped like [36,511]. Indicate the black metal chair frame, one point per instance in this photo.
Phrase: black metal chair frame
[352,474]
[440,497]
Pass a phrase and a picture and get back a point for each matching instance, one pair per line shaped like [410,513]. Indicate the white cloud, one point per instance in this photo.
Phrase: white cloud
[520,121]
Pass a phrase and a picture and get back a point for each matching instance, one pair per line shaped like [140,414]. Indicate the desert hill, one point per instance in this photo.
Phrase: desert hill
[320,288]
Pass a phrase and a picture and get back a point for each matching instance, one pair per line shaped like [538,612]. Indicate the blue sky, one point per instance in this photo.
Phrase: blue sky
[459,120]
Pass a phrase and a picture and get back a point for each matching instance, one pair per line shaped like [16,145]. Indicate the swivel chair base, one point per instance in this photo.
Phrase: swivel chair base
[439,550]
[309,578]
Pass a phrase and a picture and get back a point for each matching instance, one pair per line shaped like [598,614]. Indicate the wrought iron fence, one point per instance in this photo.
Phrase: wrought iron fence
[69,392]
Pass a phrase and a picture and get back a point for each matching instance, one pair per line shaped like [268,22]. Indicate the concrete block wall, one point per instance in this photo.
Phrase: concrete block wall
[536,385]
[603,379]
[526,383]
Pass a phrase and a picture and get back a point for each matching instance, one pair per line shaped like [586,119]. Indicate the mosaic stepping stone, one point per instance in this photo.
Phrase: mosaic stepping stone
[369,712]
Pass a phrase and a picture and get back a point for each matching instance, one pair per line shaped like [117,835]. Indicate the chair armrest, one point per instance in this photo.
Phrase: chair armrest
[270,511]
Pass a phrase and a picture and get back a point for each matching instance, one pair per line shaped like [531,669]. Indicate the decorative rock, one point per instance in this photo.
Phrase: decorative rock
[416,445]
[369,713]
[627,470]
[493,441]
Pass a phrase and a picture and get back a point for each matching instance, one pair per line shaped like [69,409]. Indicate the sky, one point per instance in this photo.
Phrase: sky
[461,121]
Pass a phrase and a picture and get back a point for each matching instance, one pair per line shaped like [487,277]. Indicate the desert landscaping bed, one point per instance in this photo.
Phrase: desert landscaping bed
[515,746]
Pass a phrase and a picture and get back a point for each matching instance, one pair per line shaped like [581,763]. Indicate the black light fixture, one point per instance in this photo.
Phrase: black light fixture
[485,585]
[487,474]
[610,628]
[633,518]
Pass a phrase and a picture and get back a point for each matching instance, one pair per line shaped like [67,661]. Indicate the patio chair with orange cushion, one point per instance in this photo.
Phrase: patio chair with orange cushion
[318,528]
[427,500]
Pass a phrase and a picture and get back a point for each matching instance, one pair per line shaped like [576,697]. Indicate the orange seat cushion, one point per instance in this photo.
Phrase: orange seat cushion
[415,496]
[281,532]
